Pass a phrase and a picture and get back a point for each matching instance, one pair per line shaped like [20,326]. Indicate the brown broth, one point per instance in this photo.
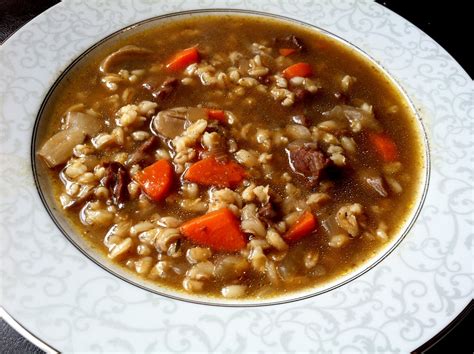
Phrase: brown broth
[330,60]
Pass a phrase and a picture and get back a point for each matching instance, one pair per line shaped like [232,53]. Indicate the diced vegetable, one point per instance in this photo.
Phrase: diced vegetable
[286,51]
[298,70]
[211,172]
[58,148]
[156,180]
[217,114]
[218,229]
[384,146]
[183,58]
[88,124]
[302,227]
[331,226]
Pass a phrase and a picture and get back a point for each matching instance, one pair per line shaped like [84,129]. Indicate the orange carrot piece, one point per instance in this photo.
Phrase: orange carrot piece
[218,230]
[286,51]
[211,172]
[217,114]
[384,146]
[298,69]
[302,227]
[156,180]
[183,58]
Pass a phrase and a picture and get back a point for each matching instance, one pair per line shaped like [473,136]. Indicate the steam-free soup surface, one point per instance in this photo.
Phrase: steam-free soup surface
[232,156]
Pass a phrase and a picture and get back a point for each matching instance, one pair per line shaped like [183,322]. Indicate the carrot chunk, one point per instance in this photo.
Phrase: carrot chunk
[384,146]
[156,180]
[302,227]
[217,114]
[298,69]
[286,51]
[183,58]
[211,172]
[218,229]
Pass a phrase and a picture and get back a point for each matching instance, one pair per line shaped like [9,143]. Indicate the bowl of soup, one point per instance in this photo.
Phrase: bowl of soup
[231,158]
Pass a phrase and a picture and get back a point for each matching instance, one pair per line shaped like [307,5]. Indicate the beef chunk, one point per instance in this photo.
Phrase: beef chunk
[116,180]
[307,161]
[143,154]
[120,190]
[166,88]
[160,92]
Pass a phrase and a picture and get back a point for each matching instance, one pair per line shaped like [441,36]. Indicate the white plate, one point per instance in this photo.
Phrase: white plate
[69,302]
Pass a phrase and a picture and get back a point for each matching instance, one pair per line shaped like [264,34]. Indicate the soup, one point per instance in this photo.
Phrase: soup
[248,162]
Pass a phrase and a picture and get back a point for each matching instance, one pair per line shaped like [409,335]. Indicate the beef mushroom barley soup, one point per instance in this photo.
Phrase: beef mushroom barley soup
[251,161]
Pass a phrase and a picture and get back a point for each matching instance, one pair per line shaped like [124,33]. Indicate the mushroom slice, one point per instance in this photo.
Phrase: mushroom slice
[169,123]
[172,122]
[123,53]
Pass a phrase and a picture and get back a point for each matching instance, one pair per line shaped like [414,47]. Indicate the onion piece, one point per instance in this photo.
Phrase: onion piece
[330,226]
[58,149]
[86,123]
